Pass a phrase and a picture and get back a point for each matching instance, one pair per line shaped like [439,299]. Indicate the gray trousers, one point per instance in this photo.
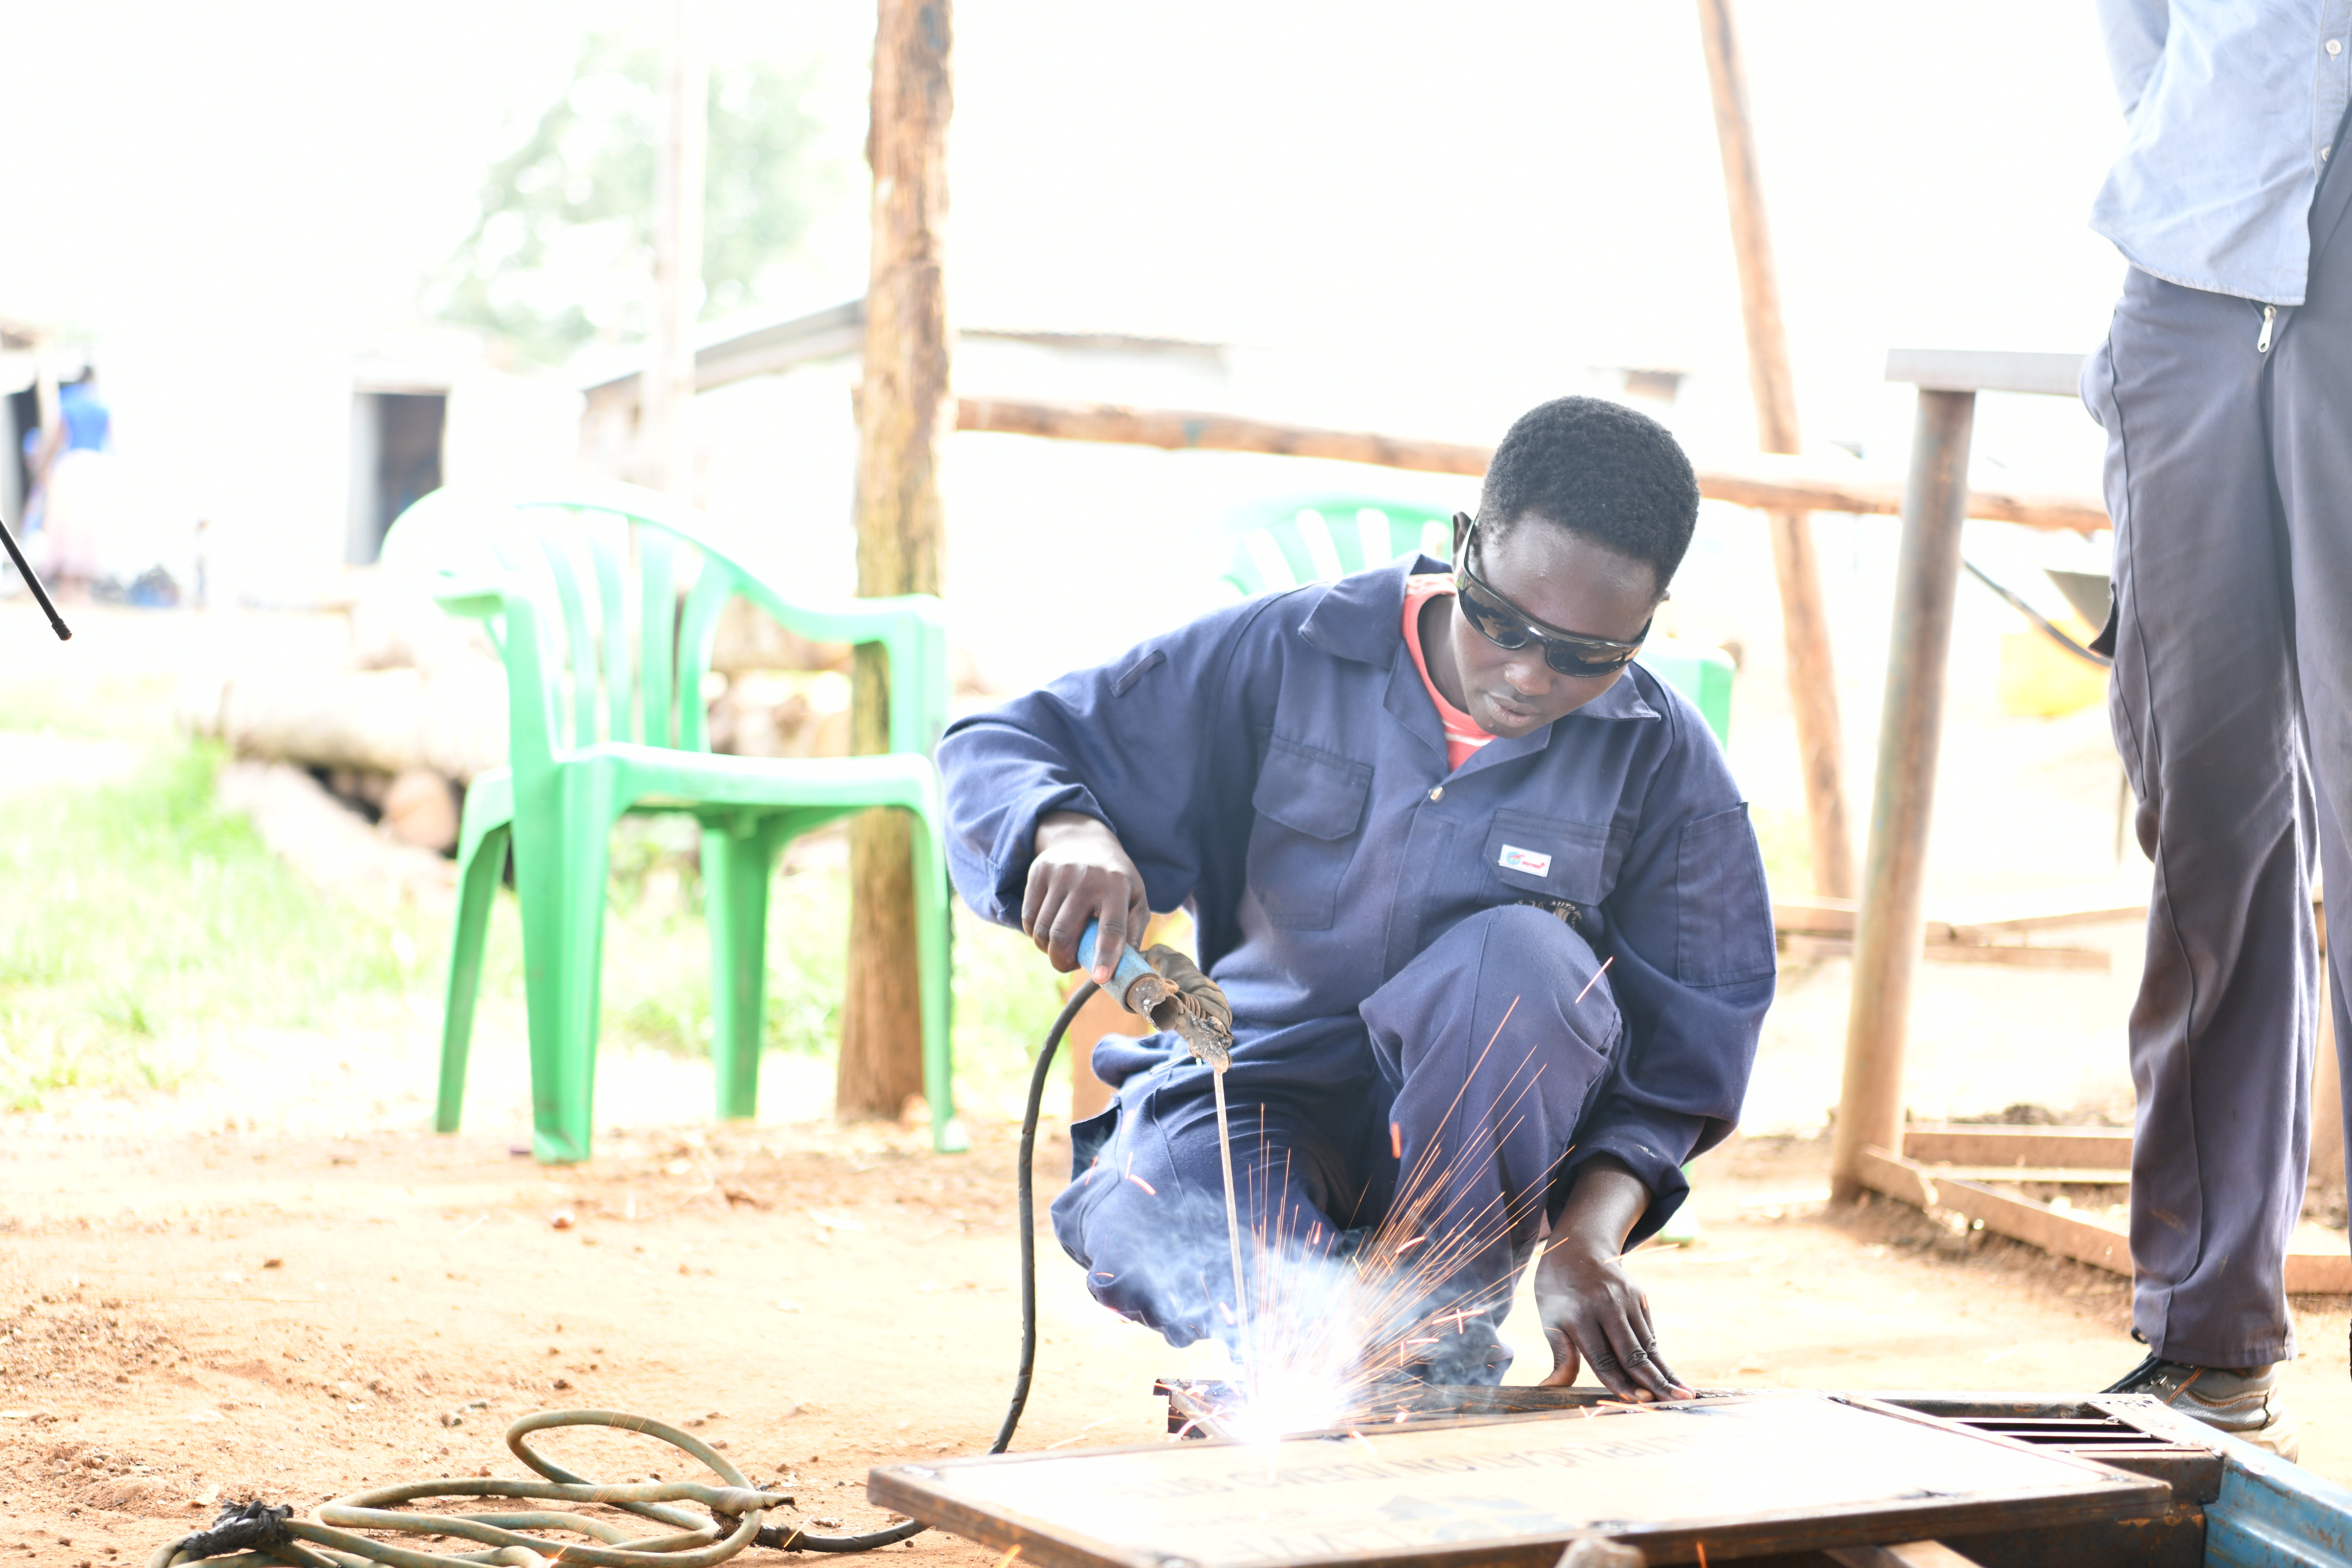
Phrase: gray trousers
[2229,474]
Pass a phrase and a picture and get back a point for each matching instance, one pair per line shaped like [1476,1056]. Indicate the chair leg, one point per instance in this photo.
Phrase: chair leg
[739,861]
[477,886]
[560,865]
[934,964]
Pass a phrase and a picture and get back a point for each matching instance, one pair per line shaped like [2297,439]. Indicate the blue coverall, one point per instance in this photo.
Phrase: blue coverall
[1374,918]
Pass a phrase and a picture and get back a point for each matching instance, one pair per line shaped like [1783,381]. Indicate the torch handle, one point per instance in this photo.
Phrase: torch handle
[1132,967]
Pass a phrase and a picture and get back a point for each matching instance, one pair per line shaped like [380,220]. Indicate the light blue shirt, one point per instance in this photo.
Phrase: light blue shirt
[2232,105]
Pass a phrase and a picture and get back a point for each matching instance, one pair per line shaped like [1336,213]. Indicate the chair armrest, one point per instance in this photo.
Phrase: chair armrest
[912,626]
[471,602]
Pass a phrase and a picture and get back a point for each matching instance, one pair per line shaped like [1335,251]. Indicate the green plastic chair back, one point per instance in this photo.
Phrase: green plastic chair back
[1322,538]
[625,591]
[604,604]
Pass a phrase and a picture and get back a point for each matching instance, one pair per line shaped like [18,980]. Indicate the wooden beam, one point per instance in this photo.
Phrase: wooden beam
[1962,1143]
[2307,1271]
[1174,430]
[2060,1231]
[2056,1175]
[1765,481]
[1801,947]
[1805,623]
[1971,919]
[904,408]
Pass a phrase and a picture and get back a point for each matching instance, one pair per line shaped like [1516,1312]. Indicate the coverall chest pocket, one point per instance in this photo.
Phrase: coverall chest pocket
[1310,805]
[1547,858]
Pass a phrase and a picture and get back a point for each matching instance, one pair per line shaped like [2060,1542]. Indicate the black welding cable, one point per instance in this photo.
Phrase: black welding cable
[1025,1181]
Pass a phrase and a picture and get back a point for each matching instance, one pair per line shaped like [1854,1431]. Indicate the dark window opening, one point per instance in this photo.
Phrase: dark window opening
[395,461]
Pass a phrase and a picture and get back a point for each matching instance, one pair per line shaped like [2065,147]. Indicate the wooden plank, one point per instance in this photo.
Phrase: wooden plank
[1764,482]
[2020,954]
[2061,1175]
[2309,1270]
[2059,1231]
[1737,1476]
[1965,370]
[1968,1143]
[1978,919]
[1972,920]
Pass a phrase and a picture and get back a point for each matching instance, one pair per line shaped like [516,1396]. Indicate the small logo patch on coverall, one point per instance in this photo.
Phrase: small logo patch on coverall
[1514,859]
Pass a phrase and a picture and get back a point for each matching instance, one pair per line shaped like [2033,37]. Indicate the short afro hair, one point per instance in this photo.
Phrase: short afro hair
[1599,470]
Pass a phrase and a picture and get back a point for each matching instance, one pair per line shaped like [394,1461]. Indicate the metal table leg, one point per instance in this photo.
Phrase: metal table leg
[1888,928]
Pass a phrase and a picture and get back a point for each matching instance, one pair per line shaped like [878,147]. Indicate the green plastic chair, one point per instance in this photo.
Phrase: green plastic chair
[603,605]
[1322,538]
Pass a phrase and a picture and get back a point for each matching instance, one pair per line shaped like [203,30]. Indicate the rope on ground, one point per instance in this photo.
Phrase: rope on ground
[254,1535]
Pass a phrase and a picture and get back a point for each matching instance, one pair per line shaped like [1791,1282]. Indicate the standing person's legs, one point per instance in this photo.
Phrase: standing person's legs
[2204,714]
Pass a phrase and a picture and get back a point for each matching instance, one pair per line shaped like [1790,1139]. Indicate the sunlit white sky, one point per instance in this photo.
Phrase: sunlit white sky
[1417,218]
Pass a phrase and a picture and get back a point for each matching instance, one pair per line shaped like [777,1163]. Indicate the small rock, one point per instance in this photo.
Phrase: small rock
[451,1418]
[718,1442]
[560,1383]
[561,1220]
[273,1263]
[684,1269]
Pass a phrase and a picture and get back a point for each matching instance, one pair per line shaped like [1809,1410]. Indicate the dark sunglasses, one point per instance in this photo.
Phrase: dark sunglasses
[1583,657]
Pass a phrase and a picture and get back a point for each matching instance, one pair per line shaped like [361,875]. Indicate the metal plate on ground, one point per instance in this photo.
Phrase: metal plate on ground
[1739,1476]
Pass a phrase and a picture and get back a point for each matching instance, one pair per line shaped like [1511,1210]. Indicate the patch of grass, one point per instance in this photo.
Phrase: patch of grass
[132,707]
[135,916]
[137,919]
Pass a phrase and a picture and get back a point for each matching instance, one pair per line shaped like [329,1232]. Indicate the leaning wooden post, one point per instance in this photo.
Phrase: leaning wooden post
[1887,933]
[904,408]
[1812,679]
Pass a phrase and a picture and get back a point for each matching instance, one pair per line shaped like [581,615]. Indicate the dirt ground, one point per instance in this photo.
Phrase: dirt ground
[196,1311]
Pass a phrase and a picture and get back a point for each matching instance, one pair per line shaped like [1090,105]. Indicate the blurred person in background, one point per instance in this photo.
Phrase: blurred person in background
[59,507]
[2222,387]
[84,529]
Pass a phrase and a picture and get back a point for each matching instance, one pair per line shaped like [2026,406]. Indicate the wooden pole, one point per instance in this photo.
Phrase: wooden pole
[905,407]
[1766,484]
[1887,931]
[1812,679]
[665,440]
